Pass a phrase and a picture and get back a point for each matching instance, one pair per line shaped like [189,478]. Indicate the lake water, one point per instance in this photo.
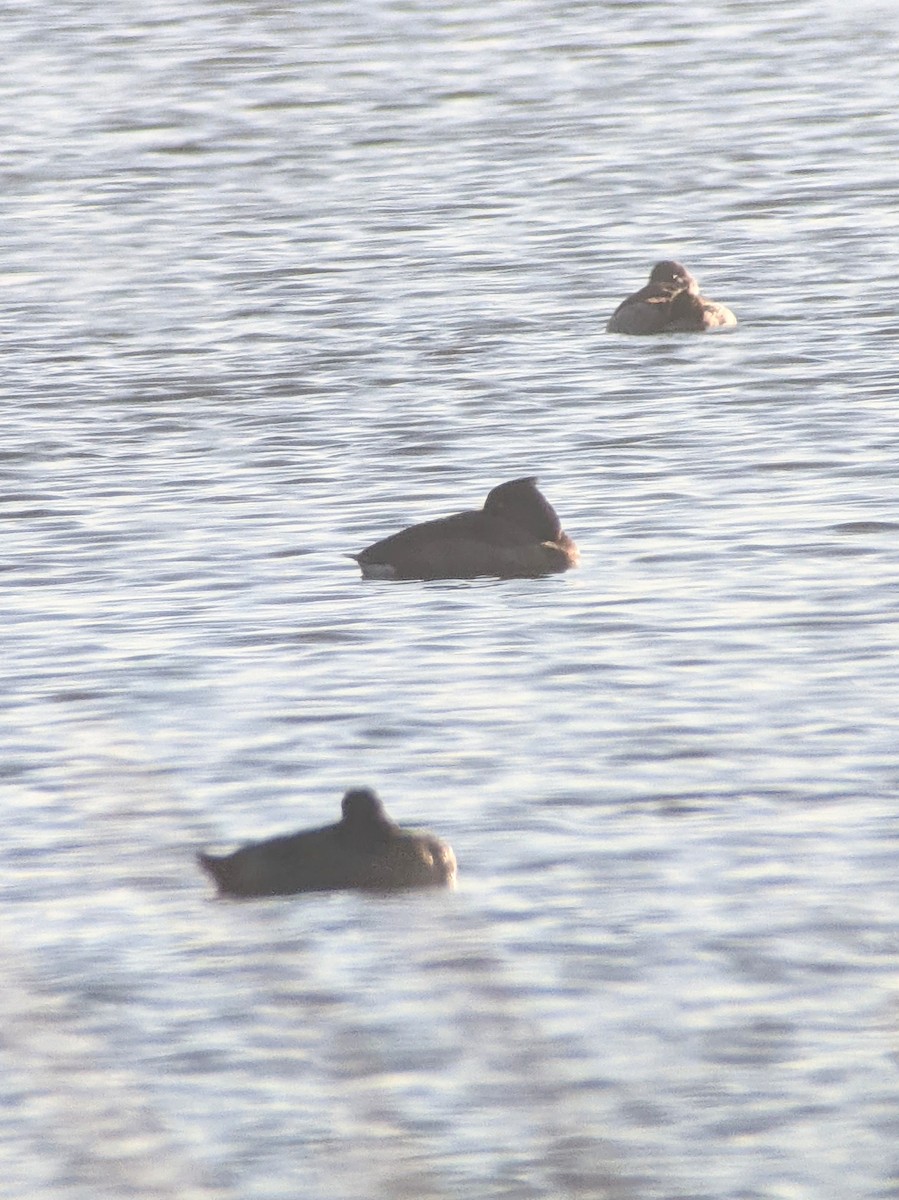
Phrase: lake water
[279,279]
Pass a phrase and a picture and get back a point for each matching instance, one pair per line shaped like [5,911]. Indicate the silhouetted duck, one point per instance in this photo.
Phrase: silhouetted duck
[517,534]
[364,851]
[670,303]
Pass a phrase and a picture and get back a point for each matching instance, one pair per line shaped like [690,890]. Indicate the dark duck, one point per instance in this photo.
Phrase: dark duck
[517,534]
[670,303]
[364,851]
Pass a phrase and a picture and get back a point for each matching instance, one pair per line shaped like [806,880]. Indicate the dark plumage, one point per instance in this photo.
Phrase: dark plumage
[670,303]
[363,851]
[516,534]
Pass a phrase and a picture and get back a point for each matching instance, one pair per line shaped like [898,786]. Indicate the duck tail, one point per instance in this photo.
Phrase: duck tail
[217,868]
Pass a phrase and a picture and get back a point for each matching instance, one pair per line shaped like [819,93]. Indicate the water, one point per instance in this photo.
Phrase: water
[279,279]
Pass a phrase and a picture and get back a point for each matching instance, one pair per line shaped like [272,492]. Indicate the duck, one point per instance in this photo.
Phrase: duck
[669,303]
[363,851]
[517,534]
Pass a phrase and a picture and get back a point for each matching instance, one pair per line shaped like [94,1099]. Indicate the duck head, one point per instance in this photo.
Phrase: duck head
[362,810]
[521,504]
[673,274]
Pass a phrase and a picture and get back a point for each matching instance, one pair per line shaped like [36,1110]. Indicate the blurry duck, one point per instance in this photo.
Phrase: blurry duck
[363,851]
[517,534]
[670,303]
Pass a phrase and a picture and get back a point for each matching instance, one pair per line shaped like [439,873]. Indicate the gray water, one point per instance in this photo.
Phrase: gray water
[279,279]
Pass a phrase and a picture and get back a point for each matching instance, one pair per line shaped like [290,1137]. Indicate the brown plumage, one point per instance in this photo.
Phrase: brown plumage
[516,534]
[669,303]
[363,851]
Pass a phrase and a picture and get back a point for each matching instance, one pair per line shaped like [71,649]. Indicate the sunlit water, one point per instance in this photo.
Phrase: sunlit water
[279,279]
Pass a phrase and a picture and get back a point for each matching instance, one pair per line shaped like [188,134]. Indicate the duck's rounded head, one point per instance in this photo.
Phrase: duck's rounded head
[362,809]
[671,273]
[521,504]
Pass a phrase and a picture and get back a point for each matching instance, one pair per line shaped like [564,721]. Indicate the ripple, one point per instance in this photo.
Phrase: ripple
[284,283]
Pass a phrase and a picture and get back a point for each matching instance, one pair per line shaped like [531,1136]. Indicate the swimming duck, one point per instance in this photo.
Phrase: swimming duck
[363,851]
[670,303]
[517,534]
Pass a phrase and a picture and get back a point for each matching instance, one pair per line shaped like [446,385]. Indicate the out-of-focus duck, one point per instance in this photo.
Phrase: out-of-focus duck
[363,851]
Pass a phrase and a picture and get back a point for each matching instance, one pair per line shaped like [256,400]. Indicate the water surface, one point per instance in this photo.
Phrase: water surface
[279,280]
